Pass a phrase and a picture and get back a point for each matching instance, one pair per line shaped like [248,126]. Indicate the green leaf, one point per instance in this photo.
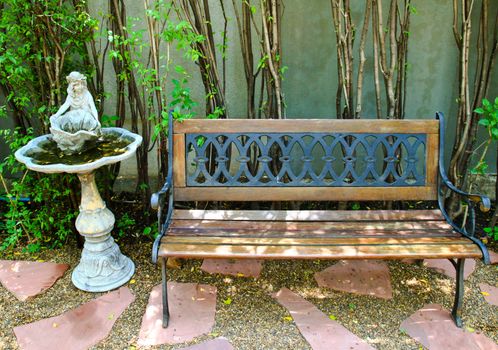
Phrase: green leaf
[484,122]
[227,301]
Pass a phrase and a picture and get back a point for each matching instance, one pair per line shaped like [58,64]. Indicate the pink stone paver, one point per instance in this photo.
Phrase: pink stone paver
[25,279]
[320,331]
[192,309]
[213,344]
[76,329]
[446,267]
[235,267]
[367,277]
[433,327]
[493,256]
[491,293]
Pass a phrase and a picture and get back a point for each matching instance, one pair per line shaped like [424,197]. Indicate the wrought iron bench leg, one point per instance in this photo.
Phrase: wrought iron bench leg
[165,293]
[457,306]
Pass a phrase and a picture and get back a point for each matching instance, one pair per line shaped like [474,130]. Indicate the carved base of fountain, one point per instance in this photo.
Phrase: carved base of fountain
[102,266]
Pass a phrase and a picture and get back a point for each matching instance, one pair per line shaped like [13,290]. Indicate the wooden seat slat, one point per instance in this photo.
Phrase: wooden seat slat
[308,215]
[420,251]
[318,226]
[306,233]
[323,241]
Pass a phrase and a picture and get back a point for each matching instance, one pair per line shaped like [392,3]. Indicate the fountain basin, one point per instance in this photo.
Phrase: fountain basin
[42,154]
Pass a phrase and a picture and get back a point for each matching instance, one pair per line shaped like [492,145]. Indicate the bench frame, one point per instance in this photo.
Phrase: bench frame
[438,177]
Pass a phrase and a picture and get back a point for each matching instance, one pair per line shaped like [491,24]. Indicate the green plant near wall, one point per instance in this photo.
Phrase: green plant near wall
[40,43]
[489,120]
[37,213]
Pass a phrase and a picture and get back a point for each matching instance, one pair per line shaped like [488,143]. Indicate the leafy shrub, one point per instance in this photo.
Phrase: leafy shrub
[47,218]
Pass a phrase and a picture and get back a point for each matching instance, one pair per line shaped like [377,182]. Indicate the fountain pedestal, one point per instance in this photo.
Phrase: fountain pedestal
[102,266]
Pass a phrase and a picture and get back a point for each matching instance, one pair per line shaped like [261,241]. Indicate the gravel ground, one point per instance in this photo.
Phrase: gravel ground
[254,320]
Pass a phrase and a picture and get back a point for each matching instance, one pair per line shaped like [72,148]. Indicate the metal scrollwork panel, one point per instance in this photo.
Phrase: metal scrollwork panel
[305,159]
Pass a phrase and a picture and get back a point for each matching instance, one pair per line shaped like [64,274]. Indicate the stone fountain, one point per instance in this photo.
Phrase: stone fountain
[79,145]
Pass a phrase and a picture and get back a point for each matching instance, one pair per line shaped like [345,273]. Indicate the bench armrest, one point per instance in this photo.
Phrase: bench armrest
[158,198]
[467,227]
[157,202]
[483,201]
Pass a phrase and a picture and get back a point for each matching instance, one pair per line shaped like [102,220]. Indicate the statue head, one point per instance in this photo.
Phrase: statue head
[77,83]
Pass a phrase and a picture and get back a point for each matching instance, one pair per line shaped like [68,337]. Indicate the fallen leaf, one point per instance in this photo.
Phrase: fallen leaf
[287,318]
[132,282]
[332,317]
[55,325]
[110,317]
[239,274]
[227,301]
[486,294]
[470,329]
[40,260]
[214,334]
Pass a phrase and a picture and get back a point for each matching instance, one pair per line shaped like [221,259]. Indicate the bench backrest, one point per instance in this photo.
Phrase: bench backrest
[305,159]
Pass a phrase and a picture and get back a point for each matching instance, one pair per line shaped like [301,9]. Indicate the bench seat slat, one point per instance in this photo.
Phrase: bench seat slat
[308,215]
[420,251]
[309,241]
[317,226]
[308,233]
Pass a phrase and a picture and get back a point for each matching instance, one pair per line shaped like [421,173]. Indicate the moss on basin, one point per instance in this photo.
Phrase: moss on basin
[47,152]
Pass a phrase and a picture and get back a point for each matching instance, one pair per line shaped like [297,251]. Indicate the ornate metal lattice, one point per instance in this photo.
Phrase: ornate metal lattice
[305,159]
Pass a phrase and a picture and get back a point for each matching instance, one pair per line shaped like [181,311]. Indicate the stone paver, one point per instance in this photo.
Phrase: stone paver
[493,256]
[213,344]
[320,331]
[26,279]
[433,327]
[367,277]
[490,293]
[234,267]
[76,329]
[446,267]
[192,308]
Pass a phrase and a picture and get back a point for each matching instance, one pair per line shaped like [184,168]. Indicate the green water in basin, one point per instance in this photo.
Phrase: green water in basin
[110,144]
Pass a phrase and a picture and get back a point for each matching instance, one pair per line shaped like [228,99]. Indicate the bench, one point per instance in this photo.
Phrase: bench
[311,160]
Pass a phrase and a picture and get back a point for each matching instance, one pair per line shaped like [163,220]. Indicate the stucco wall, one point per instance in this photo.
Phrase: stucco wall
[310,83]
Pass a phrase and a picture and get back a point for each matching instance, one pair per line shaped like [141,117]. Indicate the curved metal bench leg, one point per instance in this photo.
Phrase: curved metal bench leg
[456,313]
[165,293]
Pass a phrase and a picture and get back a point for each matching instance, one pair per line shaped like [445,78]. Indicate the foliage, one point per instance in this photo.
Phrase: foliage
[492,232]
[40,43]
[39,221]
[489,120]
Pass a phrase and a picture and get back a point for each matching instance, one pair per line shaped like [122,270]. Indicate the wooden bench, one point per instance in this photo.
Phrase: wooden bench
[311,160]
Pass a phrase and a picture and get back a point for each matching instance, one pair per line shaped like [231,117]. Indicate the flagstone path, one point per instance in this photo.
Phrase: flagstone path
[433,327]
[213,344]
[193,310]
[444,266]
[25,279]
[365,277]
[490,293]
[320,331]
[76,329]
[239,268]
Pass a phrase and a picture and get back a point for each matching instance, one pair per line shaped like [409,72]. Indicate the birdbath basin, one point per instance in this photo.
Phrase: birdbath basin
[102,266]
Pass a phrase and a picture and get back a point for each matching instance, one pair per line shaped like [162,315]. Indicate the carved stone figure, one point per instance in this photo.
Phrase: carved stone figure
[78,129]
